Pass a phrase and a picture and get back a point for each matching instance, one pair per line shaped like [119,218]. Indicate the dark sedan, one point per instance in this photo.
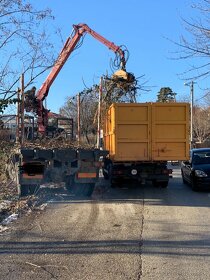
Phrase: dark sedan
[196,171]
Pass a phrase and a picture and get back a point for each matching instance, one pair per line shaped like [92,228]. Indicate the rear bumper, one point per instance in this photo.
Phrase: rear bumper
[140,172]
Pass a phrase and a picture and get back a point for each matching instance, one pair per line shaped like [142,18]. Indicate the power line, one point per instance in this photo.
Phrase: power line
[202,96]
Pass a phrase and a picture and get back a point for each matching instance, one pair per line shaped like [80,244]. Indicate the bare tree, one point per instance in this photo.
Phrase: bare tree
[201,128]
[196,47]
[24,45]
[206,99]
[201,118]
[88,112]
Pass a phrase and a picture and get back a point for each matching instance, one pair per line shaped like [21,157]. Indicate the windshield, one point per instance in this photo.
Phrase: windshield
[202,157]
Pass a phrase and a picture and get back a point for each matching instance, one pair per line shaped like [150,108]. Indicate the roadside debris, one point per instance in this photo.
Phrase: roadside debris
[11,206]
[3,229]
[55,143]
[10,219]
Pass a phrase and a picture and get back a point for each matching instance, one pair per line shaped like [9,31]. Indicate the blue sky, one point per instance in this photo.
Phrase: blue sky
[141,25]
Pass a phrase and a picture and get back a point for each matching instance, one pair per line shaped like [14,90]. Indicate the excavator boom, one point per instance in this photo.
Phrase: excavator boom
[69,46]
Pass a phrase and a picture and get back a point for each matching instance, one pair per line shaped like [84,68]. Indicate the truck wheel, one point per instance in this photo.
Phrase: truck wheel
[109,170]
[90,188]
[83,190]
[69,180]
[113,184]
[155,183]
[116,183]
[106,176]
[23,190]
[164,184]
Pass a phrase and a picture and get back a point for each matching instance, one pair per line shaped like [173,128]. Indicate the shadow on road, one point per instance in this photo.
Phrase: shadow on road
[177,194]
[107,247]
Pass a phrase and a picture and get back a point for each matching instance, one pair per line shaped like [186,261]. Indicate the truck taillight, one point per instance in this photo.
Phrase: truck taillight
[85,175]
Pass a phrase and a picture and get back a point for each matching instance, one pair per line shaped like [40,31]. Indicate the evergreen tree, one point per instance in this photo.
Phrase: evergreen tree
[166,94]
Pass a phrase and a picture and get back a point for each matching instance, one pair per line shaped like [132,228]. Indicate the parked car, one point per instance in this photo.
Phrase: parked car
[196,171]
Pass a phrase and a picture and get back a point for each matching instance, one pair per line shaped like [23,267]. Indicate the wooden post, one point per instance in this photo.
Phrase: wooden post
[78,120]
[191,115]
[22,108]
[18,117]
[99,114]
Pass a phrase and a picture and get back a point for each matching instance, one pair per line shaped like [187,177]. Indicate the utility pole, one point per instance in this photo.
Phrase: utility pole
[78,120]
[191,85]
[22,108]
[20,112]
[18,117]
[192,105]
[99,114]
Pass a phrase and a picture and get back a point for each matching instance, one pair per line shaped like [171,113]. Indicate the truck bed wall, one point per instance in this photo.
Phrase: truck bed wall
[147,131]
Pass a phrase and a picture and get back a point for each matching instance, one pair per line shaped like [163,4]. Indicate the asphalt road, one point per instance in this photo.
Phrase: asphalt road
[124,233]
[176,233]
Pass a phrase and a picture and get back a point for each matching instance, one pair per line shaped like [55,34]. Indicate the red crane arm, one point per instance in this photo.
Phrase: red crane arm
[70,44]
[68,48]
[104,41]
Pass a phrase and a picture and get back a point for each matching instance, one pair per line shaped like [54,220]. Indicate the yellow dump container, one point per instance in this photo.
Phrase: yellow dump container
[147,131]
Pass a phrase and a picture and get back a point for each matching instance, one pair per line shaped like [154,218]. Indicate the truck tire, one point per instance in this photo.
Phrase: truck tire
[69,180]
[108,167]
[155,183]
[162,184]
[83,190]
[23,190]
[116,183]
[113,184]
[106,176]
[90,188]
[79,189]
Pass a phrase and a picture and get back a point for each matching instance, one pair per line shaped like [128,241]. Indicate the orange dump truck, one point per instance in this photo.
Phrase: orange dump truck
[142,137]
